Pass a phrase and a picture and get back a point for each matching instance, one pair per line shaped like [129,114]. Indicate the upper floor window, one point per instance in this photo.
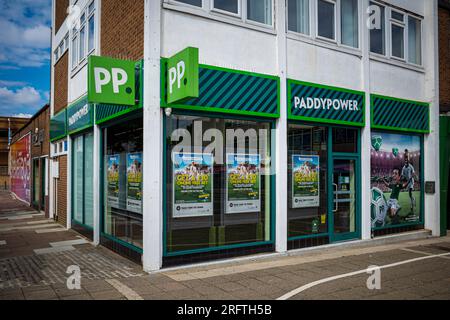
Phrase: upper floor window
[61,49]
[259,11]
[83,38]
[335,20]
[403,39]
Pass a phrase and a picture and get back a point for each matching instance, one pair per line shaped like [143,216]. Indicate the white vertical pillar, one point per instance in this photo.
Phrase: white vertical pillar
[69,182]
[97,184]
[281,151]
[153,140]
[431,147]
[366,228]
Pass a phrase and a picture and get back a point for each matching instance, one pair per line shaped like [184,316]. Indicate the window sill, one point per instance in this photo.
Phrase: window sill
[397,63]
[324,44]
[224,18]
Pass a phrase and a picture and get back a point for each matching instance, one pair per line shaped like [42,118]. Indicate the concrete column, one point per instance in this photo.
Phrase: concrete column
[153,140]
[431,151]
[366,228]
[280,152]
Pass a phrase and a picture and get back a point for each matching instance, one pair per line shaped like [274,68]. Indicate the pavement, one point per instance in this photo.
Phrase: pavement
[38,257]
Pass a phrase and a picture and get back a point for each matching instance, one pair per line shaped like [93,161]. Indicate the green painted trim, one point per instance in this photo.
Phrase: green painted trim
[234,246]
[77,101]
[323,86]
[247,73]
[399,129]
[422,103]
[121,242]
[399,226]
[226,111]
[58,138]
[77,131]
[119,114]
[311,236]
[326,121]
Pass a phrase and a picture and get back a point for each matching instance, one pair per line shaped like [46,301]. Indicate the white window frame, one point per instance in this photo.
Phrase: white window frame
[407,40]
[311,24]
[395,22]
[339,29]
[82,27]
[207,8]
[316,19]
[237,15]
[386,33]
[55,150]
[74,62]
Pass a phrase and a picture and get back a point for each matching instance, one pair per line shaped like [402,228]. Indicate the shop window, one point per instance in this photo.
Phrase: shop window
[82,180]
[123,182]
[377,33]
[218,185]
[326,19]
[396,180]
[298,16]
[307,180]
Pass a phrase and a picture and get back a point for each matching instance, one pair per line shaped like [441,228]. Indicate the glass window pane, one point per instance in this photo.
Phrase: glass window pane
[349,22]
[218,190]
[74,52]
[78,179]
[88,180]
[260,11]
[414,41]
[397,16]
[91,36]
[122,191]
[345,140]
[398,41]
[307,181]
[298,16]
[377,35]
[395,179]
[326,19]
[197,3]
[82,41]
[227,5]
[92,7]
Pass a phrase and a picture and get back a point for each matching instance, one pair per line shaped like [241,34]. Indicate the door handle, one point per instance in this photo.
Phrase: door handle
[336,198]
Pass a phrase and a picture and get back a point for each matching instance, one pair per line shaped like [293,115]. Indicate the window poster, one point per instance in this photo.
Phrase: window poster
[243,186]
[305,181]
[134,182]
[395,179]
[192,184]
[113,180]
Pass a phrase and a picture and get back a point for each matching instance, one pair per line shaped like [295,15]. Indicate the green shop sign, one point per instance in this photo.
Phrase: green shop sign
[319,103]
[58,126]
[399,115]
[111,81]
[182,71]
[79,116]
[215,89]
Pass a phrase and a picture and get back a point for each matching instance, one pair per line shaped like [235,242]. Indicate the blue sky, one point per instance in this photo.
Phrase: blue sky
[24,56]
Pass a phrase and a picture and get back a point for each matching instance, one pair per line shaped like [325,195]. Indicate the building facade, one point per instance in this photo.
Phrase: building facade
[29,161]
[199,129]
[8,127]
[444,107]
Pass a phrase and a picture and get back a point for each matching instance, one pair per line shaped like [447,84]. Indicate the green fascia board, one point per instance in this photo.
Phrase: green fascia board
[117,115]
[424,104]
[322,86]
[164,103]
[59,137]
[81,102]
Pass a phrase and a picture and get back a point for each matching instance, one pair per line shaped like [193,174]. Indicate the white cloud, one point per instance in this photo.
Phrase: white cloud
[22,115]
[7,83]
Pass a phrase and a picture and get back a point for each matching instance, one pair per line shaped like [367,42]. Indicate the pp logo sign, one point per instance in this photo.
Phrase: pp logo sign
[183,76]
[111,81]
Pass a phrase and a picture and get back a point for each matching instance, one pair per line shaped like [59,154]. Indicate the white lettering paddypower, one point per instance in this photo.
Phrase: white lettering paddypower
[326,104]
[78,115]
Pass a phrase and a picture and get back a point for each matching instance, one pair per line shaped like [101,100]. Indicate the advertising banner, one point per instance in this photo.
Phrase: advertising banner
[134,182]
[113,180]
[305,181]
[192,184]
[243,188]
[21,168]
[395,179]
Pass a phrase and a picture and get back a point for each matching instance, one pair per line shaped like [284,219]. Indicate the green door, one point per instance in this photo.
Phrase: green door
[345,217]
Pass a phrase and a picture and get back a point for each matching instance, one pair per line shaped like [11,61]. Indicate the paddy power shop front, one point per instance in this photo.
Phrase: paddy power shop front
[397,165]
[219,184]
[324,183]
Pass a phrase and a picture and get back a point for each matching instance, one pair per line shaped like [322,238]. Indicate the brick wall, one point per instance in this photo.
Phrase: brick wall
[444,59]
[60,13]
[61,183]
[122,29]
[61,83]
